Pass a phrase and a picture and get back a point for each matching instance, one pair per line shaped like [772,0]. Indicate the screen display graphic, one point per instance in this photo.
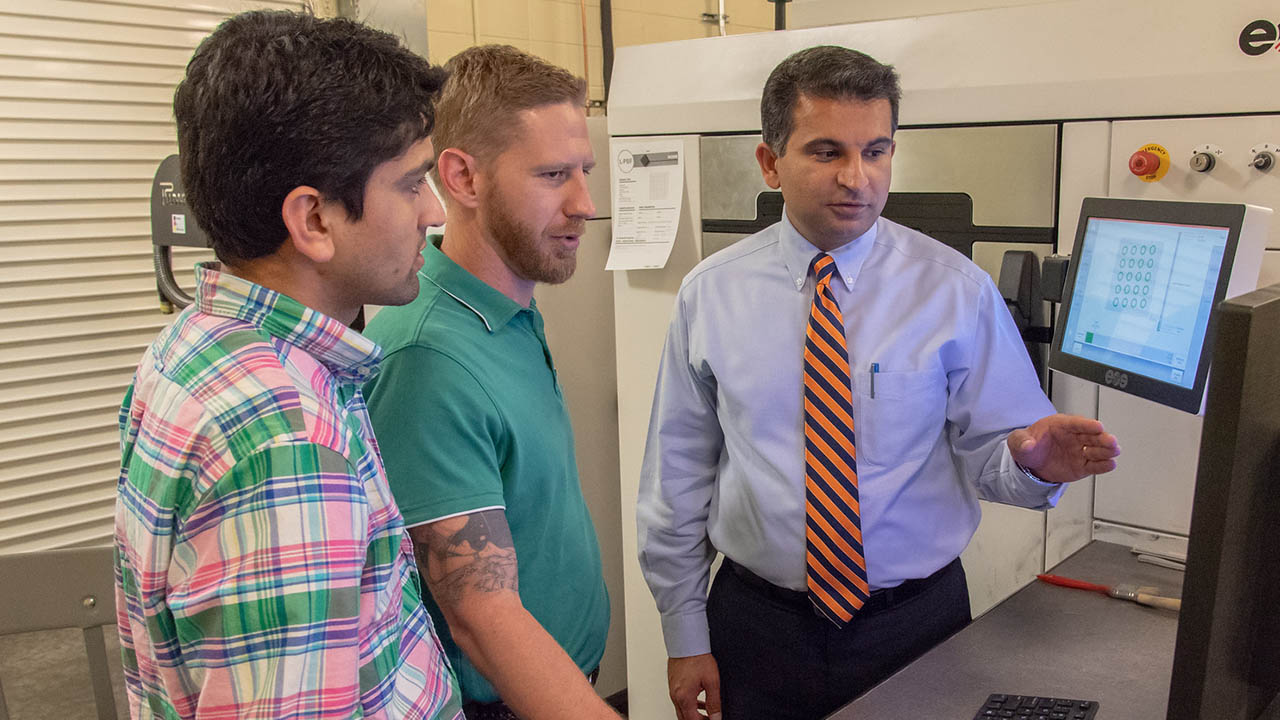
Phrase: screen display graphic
[1142,297]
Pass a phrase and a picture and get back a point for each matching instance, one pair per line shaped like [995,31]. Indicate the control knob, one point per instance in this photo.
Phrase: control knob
[1204,157]
[1202,162]
[1264,156]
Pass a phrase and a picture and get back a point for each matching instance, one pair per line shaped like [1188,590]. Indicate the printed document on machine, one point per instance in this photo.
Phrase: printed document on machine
[648,188]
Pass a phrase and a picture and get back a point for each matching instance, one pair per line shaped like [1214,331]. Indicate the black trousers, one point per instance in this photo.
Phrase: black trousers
[780,660]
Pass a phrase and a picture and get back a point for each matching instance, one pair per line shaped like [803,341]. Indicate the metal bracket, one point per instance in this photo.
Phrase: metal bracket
[714,18]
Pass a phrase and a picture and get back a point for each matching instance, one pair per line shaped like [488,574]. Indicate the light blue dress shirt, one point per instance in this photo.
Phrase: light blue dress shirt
[724,462]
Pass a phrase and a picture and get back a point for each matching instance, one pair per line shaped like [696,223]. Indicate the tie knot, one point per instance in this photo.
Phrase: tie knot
[823,267]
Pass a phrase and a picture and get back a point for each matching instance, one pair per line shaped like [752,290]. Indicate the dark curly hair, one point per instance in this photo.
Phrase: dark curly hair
[275,100]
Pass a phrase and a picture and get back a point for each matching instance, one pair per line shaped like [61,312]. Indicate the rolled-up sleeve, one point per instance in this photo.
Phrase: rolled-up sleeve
[677,480]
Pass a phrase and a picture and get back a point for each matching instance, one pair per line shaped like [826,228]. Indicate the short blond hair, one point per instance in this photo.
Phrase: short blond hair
[487,86]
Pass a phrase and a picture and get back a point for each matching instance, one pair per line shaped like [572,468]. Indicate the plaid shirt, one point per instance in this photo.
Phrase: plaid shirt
[263,569]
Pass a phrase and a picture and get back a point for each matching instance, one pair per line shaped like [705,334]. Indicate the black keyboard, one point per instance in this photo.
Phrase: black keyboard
[1027,707]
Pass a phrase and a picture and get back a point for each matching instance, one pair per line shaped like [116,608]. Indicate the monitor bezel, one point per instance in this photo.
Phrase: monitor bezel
[1224,215]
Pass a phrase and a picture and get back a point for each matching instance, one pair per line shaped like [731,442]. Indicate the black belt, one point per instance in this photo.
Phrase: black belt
[882,599]
[499,711]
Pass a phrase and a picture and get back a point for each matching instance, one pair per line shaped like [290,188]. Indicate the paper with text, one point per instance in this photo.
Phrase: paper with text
[647,192]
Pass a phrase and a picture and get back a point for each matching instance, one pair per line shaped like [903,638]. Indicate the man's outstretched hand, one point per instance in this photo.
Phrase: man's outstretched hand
[1064,448]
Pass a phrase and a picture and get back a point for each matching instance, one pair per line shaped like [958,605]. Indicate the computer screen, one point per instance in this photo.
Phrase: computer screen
[1144,277]
[1227,658]
[1144,294]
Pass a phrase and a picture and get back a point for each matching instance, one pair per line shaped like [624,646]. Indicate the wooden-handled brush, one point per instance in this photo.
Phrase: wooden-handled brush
[1140,595]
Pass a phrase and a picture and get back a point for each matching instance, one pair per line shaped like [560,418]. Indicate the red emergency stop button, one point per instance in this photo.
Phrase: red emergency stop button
[1144,162]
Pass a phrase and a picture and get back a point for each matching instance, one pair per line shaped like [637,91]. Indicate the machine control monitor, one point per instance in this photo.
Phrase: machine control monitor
[1144,278]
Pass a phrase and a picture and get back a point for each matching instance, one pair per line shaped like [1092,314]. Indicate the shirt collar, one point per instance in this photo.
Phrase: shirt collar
[493,308]
[347,354]
[798,253]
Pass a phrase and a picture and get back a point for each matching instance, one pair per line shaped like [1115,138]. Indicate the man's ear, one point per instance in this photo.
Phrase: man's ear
[310,222]
[768,165]
[458,177]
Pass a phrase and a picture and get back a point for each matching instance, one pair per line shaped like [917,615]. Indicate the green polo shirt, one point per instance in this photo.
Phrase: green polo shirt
[469,416]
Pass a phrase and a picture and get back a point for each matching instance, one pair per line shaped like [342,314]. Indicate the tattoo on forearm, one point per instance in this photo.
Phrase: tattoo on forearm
[471,553]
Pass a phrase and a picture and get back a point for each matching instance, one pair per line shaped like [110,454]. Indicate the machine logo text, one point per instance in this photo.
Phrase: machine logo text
[1116,379]
[169,196]
[1259,37]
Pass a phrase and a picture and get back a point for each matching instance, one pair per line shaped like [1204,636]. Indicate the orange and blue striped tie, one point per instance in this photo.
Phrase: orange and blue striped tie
[835,569]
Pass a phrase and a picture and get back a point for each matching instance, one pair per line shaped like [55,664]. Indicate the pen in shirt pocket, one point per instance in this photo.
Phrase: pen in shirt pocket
[875,368]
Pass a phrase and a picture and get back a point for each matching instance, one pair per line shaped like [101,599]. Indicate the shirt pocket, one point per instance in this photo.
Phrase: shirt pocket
[903,420]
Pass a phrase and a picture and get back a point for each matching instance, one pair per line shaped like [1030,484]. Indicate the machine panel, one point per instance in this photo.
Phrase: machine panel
[1154,484]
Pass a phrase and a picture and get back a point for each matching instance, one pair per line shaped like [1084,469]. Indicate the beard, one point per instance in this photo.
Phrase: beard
[531,255]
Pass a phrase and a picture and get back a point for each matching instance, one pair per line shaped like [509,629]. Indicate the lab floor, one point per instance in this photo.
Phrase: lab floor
[46,675]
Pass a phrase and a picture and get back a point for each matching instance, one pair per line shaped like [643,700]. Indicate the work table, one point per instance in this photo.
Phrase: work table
[1049,641]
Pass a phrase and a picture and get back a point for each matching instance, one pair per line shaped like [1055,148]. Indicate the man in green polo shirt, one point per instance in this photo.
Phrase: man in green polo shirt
[468,411]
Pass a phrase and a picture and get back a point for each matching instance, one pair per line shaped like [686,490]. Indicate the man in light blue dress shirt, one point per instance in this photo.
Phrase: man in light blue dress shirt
[946,406]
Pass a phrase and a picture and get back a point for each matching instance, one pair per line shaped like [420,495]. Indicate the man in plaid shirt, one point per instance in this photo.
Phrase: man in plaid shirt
[263,569]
